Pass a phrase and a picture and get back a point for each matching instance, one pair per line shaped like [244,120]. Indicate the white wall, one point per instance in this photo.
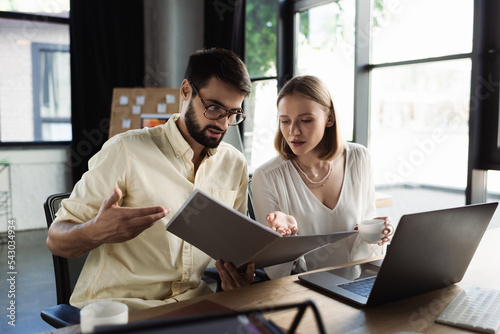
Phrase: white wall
[34,175]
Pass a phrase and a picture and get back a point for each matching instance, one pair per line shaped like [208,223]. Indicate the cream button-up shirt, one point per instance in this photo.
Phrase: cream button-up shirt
[151,166]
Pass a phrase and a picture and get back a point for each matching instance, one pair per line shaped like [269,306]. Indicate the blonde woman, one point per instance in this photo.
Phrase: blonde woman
[318,183]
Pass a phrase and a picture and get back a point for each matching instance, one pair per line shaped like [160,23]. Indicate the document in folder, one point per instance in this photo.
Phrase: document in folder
[224,233]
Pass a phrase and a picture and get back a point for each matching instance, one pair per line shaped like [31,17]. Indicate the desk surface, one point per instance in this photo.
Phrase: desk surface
[415,314]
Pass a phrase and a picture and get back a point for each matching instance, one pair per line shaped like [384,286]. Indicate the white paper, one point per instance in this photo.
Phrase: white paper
[123,100]
[141,99]
[136,110]
[170,98]
[161,108]
[126,123]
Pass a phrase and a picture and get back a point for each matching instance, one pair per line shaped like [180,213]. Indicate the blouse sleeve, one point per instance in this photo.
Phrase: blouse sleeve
[264,196]
[361,249]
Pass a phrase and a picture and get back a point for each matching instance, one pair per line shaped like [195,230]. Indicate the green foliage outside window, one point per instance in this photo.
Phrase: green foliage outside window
[261,37]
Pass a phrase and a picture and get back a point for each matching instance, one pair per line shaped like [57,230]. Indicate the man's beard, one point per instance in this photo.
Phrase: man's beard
[197,132]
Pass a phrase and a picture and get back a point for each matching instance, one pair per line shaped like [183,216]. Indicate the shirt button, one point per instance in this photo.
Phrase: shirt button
[187,272]
[176,285]
[178,153]
[186,246]
[190,153]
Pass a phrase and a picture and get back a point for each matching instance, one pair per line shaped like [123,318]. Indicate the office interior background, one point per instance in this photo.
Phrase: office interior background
[416,81]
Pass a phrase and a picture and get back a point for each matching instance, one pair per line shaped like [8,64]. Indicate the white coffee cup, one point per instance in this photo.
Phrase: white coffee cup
[372,230]
[103,312]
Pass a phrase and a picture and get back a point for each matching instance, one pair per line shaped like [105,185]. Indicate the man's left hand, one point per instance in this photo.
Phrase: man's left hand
[232,278]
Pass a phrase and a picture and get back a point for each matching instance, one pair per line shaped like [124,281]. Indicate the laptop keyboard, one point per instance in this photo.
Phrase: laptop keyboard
[474,308]
[361,287]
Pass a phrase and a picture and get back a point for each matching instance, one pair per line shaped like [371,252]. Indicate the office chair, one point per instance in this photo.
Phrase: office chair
[251,212]
[66,274]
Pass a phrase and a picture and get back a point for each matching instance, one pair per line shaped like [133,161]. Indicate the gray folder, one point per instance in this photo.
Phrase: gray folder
[224,233]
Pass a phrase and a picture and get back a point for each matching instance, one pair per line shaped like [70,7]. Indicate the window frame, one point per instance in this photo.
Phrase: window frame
[38,119]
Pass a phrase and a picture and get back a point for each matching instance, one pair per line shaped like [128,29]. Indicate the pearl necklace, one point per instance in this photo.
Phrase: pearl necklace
[326,178]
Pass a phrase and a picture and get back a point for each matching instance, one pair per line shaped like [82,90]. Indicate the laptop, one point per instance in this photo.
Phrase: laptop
[428,251]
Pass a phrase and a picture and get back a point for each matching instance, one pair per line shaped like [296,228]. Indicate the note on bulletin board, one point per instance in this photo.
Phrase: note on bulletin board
[135,108]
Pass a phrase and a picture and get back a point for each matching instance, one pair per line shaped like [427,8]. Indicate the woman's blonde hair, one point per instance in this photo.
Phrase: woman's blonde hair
[313,89]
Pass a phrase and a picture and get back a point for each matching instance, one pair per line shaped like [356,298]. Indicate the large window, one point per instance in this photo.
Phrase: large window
[419,101]
[401,74]
[51,92]
[35,100]
[407,29]
[419,124]
[325,48]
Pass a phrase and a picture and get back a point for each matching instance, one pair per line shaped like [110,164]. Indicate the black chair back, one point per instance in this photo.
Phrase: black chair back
[66,271]
[250,208]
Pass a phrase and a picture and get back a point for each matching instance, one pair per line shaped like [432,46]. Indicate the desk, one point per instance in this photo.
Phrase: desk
[416,314]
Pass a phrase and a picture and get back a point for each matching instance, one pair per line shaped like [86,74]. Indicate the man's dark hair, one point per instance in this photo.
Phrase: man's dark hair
[223,64]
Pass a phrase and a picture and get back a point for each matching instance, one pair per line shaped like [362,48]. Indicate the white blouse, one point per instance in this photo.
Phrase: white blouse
[277,186]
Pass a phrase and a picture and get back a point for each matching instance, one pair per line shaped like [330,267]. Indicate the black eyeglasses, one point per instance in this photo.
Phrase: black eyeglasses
[214,112]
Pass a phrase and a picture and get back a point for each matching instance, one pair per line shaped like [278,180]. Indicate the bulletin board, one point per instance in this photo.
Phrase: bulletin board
[136,108]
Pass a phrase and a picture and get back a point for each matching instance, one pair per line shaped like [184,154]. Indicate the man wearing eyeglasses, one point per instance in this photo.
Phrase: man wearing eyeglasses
[137,182]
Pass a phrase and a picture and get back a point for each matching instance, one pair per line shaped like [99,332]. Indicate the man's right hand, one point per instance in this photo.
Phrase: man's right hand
[112,224]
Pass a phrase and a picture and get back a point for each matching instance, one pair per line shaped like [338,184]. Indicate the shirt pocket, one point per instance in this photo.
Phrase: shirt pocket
[226,196]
